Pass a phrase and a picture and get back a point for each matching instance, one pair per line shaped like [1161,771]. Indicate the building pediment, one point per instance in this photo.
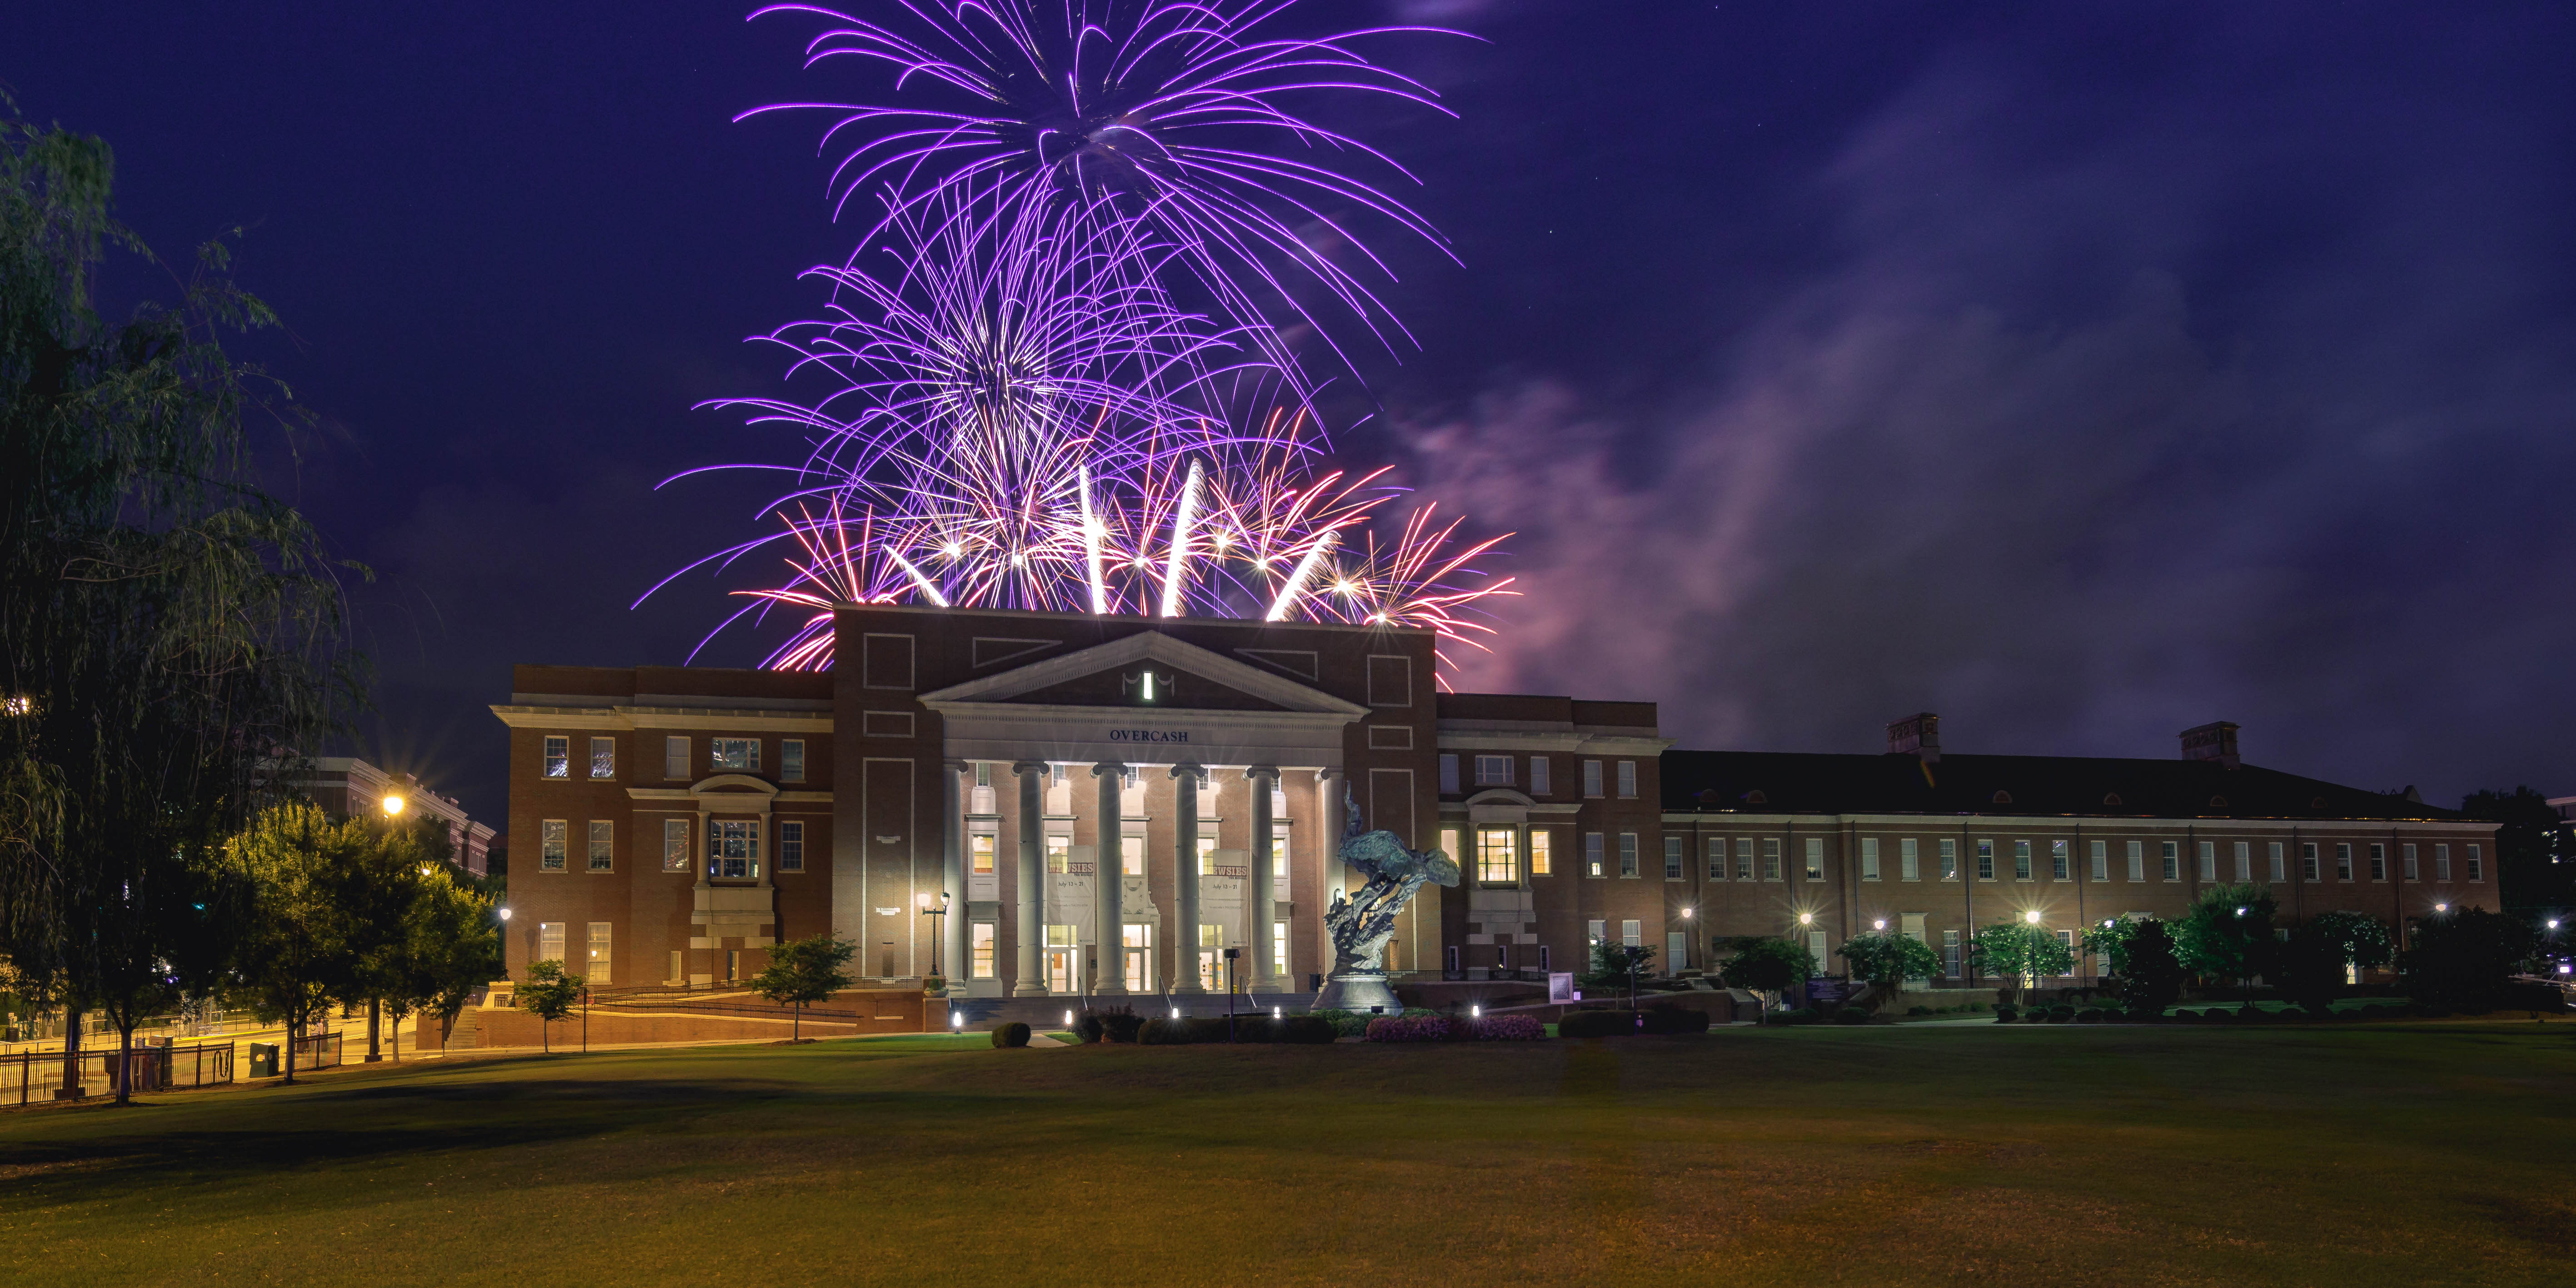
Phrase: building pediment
[1147,671]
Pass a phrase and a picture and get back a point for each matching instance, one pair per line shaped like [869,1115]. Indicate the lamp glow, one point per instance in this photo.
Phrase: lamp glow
[1880,924]
[1806,919]
[505,914]
[393,806]
[2032,916]
[1475,1012]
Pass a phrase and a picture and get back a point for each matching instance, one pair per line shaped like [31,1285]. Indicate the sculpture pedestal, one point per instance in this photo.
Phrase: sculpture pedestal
[1357,991]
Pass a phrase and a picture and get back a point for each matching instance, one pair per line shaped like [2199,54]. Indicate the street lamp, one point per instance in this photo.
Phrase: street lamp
[938,946]
[2031,916]
[1879,924]
[392,806]
[505,914]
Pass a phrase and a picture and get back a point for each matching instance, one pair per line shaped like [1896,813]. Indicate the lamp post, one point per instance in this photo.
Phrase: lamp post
[1230,955]
[392,805]
[938,946]
[2029,956]
[1806,922]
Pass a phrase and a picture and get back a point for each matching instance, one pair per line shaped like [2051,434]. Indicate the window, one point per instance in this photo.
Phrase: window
[1497,857]
[1985,860]
[1672,858]
[2137,860]
[1770,858]
[1869,858]
[2057,859]
[2308,860]
[1279,948]
[2378,862]
[603,850]
[1950,953]
[1949,859]
[2172,852]
[2279,872]
[2477,864]
[1539,865]
[791,760]
[597,969]
[1448,774]
[550,941]
[603,758]
[1631,933]
[2074,955]
[1744,858]
[2021,860]
[1627,780]
[1591,778]
[2209,860]
[675,845]
[2413,871]
[1592,854]
[2343,860]
[675,758]
[553,844]
[1493,771]
[979,849]
[791,847]
[1131,855]
[1815,858]
[558,757]
[1628,854]
[1538,775]
[2244,861]
[1909,860]
[1207,856]
[2100,852]
[733,849]
[1717,858]
[2441,862]
[1596,932]
[979,950]
[741,754]
[1059,853]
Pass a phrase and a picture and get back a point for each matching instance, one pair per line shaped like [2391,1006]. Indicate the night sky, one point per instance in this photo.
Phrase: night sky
[2081,372]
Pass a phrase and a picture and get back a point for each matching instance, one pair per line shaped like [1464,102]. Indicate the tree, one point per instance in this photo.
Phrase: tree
[803,971]
[2150,977]
[2109,941]
[446,942]
[165,627]
[299,945]
[1766,965]
[2534,872]
[2022,952]
[2228,934]
[1617,964]
[1885,957]
[550,995]
[2322,950]
[2462,959]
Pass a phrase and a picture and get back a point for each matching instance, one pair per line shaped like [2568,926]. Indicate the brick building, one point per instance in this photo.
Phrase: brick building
[348,787]
[956,794]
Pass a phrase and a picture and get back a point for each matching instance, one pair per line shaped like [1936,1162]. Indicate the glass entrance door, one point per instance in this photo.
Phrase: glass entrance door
[1139,951]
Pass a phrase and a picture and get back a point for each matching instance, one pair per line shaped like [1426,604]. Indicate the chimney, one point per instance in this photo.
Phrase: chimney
[2213,741]
[1920,735]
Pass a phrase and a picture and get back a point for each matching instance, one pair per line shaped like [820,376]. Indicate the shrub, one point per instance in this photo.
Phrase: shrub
[1921,1010]
[1119,1024]
[1347,1024]
[2089,1015]
[2526,995]
[1510,1028]
[1976,1006]
[1409,1028]
[1851,1015]
[2006,1012]
[1596,1024]
[1013,1034]
[1162,1032]
[1088,1028]
[1664,1017]
[1307,1030]
[2461,961]
[1796,1015]
[2060,1013]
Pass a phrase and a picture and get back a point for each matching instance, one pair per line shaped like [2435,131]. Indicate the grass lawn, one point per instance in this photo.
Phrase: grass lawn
[2411,1154]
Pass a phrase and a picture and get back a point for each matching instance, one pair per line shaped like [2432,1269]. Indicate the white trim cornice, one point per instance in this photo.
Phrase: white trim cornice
[1154,646]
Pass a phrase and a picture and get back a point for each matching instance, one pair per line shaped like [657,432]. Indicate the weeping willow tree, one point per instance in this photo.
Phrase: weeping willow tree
[170,634]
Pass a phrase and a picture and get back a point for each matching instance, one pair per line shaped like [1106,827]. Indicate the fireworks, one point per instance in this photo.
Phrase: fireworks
[1016,410]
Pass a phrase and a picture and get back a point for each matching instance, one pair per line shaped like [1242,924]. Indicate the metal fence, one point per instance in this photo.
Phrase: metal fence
[29,1076]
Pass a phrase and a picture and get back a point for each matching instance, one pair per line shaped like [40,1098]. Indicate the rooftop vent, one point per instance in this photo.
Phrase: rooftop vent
[2112,800]
[2213,741]
[1755,797]
[2003,798]
[1916,735]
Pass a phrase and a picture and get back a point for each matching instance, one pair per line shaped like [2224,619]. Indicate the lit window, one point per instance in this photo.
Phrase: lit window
[675,845]
[1869,858]
[2057,860]
[980,847]
[980,944]
[791,847]
[1595,930]
[603,758]
[550,941]
[1279,948]
[597,969]
[675,758]
[1909,860]
[554,844]
[1672,858]
[1770,858]
[1059,853]
[603,850]
[558,757]
[1207,856]
[1949,859]
[1493,771]
[1627,854]
[1815,858]
[1497,856]
[1627,780]
[1539,865]
[1131,856]
[1592,778]
[1631,933]
[1449,773]
[733,849]
[791,760]
[1538,776]
[739,754]
[1592,854]
[2021,860]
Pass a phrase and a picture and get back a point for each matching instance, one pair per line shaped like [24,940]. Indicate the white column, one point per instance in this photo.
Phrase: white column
[1185,882]
[1032,870]
[1263,905]
[1109,834]
[952,872]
